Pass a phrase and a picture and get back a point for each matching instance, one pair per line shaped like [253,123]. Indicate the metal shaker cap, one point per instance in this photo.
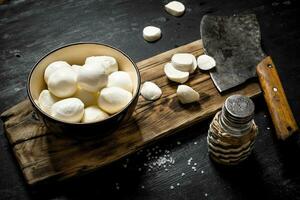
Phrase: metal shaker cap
[238,109]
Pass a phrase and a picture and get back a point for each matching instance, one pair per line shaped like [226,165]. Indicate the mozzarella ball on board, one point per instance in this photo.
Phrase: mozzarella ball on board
[150,91]
[51,68]
[93,114]
[88,98]
[175,8]
[183,62]
[194,64]
[109,63]
[92,77]
[187,94]
[174,74]
[120,79]
[68,110]
[151,33]
[63,83]
[113,99]
[206,62]
[46,100]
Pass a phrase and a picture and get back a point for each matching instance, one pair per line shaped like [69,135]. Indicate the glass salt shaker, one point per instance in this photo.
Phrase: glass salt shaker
[232,132]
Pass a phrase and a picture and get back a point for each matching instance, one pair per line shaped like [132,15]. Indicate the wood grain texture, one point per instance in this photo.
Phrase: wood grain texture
[42,155]
[279,108]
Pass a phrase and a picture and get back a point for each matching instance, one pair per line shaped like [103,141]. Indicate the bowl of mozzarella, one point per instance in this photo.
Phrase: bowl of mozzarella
[84,89]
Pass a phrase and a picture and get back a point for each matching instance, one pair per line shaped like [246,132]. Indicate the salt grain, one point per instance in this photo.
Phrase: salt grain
[268,128]
[178,142]
[171,187]
[195,143]
[206,194]
[182,174]
[178,184]
[142,187]
[202,172]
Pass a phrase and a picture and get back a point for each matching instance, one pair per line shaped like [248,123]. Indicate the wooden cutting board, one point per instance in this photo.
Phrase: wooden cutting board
[44,156]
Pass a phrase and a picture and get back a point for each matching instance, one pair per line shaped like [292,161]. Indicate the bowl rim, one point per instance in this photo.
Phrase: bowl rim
[80,43]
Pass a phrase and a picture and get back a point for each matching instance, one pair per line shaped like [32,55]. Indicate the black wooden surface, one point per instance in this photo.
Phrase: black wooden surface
[29,29]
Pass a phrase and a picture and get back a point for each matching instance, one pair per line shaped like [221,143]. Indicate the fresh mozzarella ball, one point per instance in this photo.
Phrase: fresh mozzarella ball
[150,91]
[54,67]
[174,74]
[62,83]
[206,62]
[92,77]
[120,79]
[183,62]
[93,114]
[88,98]
[151,33]
[46,100]
[113,99]
[110,63]
[175,8]
[186,94]
[68,110]
[76,68]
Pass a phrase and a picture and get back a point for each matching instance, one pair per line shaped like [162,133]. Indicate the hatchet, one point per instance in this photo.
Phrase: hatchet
[235,43]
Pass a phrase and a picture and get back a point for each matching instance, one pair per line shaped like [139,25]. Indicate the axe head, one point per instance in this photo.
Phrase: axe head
[235,43]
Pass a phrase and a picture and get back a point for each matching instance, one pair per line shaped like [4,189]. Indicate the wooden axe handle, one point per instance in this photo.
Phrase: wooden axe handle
[280,111]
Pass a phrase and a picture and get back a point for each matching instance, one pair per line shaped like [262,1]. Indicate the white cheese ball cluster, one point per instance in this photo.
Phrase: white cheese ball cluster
[179,69]
[87,93]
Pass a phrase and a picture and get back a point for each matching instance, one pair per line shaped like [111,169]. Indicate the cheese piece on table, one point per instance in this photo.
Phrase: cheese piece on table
[175,8]
[151,33]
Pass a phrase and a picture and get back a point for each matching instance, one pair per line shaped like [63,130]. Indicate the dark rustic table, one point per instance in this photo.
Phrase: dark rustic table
[29,29]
